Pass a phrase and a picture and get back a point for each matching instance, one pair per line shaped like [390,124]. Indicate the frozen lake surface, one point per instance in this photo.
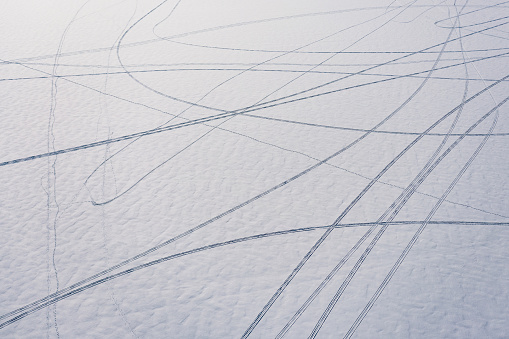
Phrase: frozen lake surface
[262,169]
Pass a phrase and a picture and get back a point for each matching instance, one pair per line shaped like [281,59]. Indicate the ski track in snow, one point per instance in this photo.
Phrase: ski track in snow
[192,169]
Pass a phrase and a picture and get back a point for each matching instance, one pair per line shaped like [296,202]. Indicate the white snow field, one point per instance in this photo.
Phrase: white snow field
[261,169]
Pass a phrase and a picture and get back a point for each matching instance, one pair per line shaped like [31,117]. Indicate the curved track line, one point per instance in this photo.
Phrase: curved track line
[45,302]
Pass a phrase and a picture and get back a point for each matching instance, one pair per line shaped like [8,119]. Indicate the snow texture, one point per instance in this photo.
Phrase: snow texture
[261,169]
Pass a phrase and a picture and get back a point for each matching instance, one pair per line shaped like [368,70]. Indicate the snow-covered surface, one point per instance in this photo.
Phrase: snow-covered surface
[226,168]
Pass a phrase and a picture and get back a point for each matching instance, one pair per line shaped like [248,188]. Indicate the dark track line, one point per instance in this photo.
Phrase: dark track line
[219,116]
[403,255]
[395,207]
[365,130]
[47,301]
[275,100]
[273,103]
[325,235]
[479,23]
[474,11]
[402,200]
[382,230]
[191,122]
[258,102]
[195,103]
[412,242]
[260,195]
[326,227]
[272,70]
[229,48]
[239,206]
[231,64]
[140,43]
[382,64]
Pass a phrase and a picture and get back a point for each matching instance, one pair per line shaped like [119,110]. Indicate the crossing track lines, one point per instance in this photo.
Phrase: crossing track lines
[274,188]
[204,120]
[300,127]
[325,235]
[64,293]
